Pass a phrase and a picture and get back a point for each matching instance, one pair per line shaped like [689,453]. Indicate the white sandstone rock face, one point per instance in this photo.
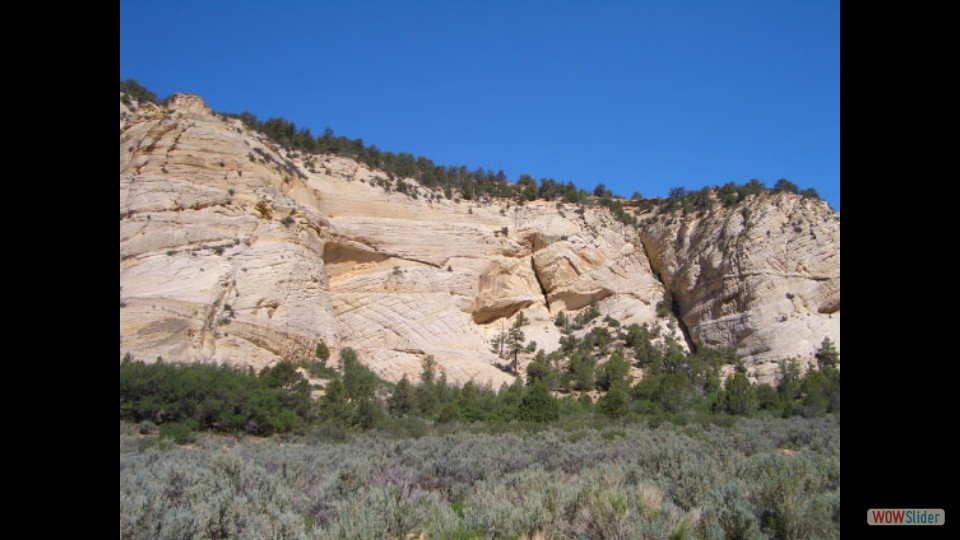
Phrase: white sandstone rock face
[763,277]
[233,250]
[208,270]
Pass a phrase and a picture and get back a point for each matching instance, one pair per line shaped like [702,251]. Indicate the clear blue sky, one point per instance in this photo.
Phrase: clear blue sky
[639,95]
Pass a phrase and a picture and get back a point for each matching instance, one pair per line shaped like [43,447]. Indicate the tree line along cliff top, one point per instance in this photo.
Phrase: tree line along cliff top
[459,181]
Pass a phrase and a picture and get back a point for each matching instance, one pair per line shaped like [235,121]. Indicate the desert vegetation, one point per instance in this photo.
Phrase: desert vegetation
[587,377]
[760,478]
[670,457]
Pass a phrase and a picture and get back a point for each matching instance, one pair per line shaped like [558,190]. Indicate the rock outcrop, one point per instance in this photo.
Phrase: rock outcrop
[762,276]
[234,250]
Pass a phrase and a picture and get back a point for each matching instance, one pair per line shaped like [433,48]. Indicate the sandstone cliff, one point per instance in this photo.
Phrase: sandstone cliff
[234,250]
[763,276]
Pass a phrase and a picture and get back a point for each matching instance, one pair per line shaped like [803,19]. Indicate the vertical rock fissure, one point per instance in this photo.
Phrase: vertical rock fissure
[543,289]
[675,304]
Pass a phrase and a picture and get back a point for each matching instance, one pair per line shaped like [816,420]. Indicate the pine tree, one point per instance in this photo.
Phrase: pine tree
[814,389]
[827,354]
[615,370]
[133,89]
[528,187]
[426,395]
[368,413]
[739,397]
[515,340]
[401,401]
[676,392]
[322,353]
[833,389]
[509,398]
[789,385]
[767,398]
[540,370]
[583,373]
[614,403]
[333,405]
[785,185]
[359,382]
[563,323]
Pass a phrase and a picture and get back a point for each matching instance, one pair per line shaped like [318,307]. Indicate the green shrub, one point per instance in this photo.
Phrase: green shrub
[179,432]
[449,414]
[614,404]
[210,397]
[319,370]
[322,352]
[781,492]
[538,405]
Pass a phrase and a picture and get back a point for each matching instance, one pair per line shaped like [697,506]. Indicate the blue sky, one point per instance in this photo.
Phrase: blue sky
[642,95]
